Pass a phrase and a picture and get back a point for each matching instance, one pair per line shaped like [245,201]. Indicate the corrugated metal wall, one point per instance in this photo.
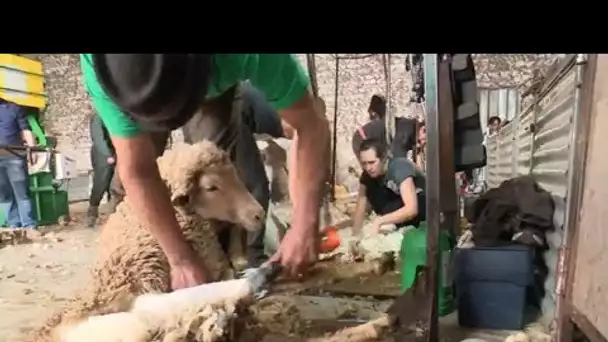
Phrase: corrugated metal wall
[539,140]
[503,103]
[493,162]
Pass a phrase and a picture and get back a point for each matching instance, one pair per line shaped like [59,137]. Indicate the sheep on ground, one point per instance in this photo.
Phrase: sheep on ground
[204,187]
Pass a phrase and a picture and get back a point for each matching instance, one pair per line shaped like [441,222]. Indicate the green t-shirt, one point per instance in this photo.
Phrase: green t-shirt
[279,76]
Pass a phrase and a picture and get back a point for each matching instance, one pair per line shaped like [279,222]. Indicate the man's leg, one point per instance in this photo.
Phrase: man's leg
[258,114]
[7,202]
[102,176]
[251,170]
[261,118]
[18,176]
[117,192]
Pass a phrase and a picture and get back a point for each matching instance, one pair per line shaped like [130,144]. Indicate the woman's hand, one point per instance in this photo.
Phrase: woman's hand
[377,225]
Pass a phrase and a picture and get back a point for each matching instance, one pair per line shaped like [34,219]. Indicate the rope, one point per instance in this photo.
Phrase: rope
[386,63]
[312,73]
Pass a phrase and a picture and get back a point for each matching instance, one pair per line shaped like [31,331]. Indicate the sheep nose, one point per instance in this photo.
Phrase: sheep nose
[258,217]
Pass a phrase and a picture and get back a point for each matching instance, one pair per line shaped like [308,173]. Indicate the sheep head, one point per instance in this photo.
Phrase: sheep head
[201,179]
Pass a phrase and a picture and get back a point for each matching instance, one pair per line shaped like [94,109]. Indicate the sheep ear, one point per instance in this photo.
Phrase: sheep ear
[179,201]
[179,194]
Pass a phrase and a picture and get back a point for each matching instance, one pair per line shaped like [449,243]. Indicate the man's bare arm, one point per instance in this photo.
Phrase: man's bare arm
[148,195]
[309,149]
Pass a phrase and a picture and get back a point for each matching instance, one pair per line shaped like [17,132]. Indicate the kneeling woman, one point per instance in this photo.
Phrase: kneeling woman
[393,187]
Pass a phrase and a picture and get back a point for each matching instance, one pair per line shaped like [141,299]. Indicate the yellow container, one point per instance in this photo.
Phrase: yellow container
[22,81]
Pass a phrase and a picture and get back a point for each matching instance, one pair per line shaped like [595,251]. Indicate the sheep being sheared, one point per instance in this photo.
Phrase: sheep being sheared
[203,186]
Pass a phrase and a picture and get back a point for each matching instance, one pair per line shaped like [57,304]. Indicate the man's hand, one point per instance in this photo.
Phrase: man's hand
[149,198]
[298,250]
[111,160]
[32,157]
[308,160]
[187,273]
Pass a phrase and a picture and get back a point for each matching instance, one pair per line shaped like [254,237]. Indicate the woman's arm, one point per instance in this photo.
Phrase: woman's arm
[360,211]
[410,208]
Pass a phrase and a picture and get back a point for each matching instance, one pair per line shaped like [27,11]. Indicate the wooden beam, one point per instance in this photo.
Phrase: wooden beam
[567,262]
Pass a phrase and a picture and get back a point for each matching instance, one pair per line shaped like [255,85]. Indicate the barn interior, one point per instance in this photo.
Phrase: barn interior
[356,291]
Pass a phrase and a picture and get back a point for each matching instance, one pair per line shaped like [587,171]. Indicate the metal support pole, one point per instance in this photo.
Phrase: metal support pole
[440,183]
[447,178]
[432,192]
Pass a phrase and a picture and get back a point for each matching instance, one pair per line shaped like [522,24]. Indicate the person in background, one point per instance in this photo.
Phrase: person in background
[493,125]
[136,94]
[15,200]
[392,186]
[420,157]
[476,179]
[103,160]
[375,129]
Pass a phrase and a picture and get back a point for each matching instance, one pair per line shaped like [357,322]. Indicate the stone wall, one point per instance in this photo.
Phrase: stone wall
[359,77]
[68,111]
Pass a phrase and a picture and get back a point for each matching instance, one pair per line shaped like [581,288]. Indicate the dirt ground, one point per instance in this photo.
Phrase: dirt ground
[37,278]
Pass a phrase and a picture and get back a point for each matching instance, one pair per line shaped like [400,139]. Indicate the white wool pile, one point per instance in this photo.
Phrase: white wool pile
[206,323]
[372,245]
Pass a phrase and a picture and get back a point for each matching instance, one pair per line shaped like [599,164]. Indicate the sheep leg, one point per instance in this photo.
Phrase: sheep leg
[150,310]
[212,293]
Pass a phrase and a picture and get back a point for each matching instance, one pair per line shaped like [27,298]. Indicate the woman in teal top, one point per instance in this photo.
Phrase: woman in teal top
[138,93]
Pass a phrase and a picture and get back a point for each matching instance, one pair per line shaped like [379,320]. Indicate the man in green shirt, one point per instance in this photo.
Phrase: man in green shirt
[135,94]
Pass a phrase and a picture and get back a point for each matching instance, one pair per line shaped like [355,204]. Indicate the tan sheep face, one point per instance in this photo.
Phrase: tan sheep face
[222,196]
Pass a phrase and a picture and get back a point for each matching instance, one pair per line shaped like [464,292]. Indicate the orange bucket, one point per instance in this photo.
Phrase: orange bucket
[330,239]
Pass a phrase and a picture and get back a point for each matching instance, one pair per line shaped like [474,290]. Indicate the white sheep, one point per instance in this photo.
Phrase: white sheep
[203,187]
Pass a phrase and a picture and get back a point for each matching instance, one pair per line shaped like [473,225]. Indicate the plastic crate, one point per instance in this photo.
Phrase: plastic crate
[492,285]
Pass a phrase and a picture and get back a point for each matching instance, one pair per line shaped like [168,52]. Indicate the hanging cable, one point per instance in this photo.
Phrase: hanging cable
[388,119]
[312,73]
[335,132]
[354,56]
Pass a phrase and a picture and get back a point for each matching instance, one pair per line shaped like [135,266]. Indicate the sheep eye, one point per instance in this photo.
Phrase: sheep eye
[211,188]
